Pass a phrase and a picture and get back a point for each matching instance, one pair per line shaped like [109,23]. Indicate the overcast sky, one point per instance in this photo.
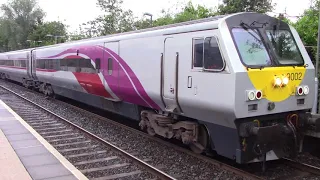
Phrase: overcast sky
[75,12]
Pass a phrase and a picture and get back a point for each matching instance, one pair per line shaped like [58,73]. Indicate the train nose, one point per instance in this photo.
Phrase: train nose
[279,83]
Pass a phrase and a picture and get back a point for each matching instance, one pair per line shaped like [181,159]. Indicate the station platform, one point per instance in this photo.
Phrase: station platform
[25,155]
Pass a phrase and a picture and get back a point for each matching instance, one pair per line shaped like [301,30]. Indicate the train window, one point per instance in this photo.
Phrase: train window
[17,63]
[38,63]
[83,63]
[9,63]
[110,66]
[41,63]
[251,47]
[55,64]
[284,46]
[23,63]
[86,66]
[198,53]
[212,55]
[47,64]
[63,65]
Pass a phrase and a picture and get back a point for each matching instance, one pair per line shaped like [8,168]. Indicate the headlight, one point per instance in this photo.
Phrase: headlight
[285,80]
[277,81]
[306,90]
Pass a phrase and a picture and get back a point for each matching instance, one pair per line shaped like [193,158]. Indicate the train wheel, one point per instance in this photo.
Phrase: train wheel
[203,141]
[151,131]
[48,91]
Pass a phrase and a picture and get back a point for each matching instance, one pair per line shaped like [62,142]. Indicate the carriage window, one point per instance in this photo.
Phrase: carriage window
[23,63]
[110,66]
[17,63]
[47,64]
[212,54]
[197,52]
[206,54]
[55,64]
[9,63]
[41,63]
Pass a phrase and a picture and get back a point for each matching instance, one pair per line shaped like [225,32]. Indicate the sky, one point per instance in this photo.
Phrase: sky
[75,12]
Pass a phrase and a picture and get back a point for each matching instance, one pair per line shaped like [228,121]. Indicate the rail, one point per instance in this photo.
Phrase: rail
[303,167]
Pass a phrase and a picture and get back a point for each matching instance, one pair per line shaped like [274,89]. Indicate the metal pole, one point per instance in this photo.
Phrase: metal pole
[317,64]
[315,103]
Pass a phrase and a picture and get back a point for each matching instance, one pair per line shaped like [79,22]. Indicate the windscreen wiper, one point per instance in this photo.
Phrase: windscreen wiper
[246,27]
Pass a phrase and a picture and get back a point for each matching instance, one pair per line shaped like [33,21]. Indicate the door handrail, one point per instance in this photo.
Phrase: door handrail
[177,80]
[161,80]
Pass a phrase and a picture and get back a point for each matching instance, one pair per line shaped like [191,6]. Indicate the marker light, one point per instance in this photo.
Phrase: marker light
[251,95]
[258,94]
[306,90]
[285,80]
[254,95]
[299,90]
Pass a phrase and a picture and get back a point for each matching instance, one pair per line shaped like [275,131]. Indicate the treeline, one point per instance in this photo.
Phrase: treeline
[22,24]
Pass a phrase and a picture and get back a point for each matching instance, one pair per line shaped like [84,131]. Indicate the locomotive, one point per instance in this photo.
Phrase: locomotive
[240,85]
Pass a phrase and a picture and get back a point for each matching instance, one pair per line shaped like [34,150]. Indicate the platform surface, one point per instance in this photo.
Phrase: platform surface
[25,155]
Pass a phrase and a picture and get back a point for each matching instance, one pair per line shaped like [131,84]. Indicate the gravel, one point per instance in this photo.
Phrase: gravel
[169,160]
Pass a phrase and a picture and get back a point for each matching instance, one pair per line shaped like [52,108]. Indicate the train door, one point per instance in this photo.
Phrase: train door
[33,64]
[110,65]
[170,70]
[29,56]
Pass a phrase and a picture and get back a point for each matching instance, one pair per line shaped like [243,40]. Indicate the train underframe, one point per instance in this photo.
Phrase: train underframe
[257,139]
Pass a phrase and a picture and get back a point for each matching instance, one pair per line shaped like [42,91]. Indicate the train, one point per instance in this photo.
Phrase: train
[241,85]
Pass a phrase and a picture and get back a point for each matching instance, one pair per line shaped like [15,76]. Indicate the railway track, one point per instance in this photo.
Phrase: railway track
[93,156]
[89,153]
[304,169]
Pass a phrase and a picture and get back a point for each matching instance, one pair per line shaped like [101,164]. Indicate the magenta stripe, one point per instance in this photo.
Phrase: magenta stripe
[118,82]
[134,79]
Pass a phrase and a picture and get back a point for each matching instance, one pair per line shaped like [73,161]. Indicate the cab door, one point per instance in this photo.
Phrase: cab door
[170,75]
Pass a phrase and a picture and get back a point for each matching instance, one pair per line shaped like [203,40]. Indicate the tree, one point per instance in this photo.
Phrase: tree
[20,18]
[191,12]
[4,38]
[188,12]
[234,6]
[115,19]
[74,36]
[307,27]
[41,32]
